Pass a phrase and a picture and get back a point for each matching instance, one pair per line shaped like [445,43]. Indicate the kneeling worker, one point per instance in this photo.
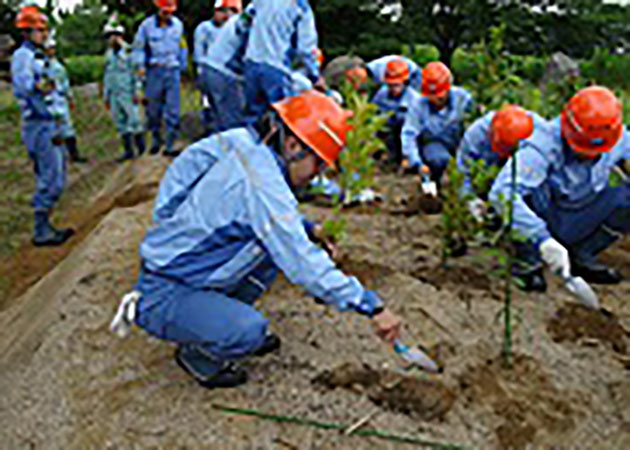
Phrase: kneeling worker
[205,262]
[565,205]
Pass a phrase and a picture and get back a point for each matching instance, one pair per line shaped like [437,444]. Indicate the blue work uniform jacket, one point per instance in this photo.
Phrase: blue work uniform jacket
[399,106]
[160,46]
[282,31]
[426,122]
[224,207]
[545,163]
[227,52]
[205,34]
[27,70]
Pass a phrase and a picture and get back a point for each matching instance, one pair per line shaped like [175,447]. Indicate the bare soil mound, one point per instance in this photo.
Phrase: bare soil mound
[424,399]
[574,322]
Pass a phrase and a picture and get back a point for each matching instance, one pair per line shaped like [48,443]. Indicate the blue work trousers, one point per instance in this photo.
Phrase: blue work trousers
[49,162]
[584,231]
[163,95]
[227,99]
[211,326]
[436,155]
[264,85]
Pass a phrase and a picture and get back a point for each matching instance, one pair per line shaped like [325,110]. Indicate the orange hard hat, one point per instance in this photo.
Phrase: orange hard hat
[31,17]
[230,4]
[319,56]
[357,76]
[436,79]
[396,71]
[509,125]
[592,121]
[318,121]
[169,6]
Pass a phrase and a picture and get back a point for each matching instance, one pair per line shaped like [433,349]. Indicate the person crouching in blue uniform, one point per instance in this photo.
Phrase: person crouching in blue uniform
[377,70]
[34,92]
[492,139]
[434,125]
[160,52]
[565,206]
[205,263]
[395,97]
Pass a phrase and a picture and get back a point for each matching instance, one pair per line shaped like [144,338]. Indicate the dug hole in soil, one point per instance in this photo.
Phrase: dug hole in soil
[67,383]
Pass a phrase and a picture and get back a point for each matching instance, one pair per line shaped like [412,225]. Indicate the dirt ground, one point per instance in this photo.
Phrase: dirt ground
[67,383]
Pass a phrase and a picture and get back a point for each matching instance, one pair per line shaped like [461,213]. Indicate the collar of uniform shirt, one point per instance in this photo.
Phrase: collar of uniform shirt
[169,22]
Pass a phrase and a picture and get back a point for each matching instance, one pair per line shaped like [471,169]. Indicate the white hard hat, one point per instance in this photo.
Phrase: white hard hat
[113,26]
[113,29]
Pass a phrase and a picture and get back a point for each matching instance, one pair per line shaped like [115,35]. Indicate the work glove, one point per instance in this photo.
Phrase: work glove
[477,208]
[556,257]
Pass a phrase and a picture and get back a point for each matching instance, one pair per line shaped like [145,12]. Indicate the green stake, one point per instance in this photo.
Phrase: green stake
[337,426]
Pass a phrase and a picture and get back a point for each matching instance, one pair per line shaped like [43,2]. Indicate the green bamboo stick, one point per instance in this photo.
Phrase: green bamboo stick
[507,342]
[336,426]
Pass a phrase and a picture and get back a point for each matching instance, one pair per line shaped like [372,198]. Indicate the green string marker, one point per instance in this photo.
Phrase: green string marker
[381,434]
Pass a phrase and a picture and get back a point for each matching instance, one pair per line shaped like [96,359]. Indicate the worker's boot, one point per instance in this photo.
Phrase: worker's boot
[595,272]
[73,151]
[140,144]
[156,143]
[128,148]
[197,364]
[272,343]
[583,257]
[47,235]
[170,144]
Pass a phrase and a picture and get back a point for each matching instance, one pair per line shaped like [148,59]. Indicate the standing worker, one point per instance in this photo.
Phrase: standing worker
[377,70]
[33,90]
[282,34]
[396,97]
[204,266]
[64,102]
[434,125]
[161,53]
[564,205]
[222,79]
[122,90]
[205,35]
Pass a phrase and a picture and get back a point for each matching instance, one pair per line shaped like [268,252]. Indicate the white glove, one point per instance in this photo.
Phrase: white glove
[556,257]
[125,314]
[477,208]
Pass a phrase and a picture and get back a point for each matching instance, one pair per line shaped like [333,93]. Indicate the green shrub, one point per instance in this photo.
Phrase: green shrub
[85,69]
[421,54]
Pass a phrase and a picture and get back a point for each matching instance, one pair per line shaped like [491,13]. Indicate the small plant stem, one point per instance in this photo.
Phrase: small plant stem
[507,342]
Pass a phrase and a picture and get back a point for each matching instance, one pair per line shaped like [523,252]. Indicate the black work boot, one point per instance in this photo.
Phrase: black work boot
[46,235]
[230,375]
[533,281]
[71,145]
[128,148]
[140,144]
[272,343]
[595,272]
